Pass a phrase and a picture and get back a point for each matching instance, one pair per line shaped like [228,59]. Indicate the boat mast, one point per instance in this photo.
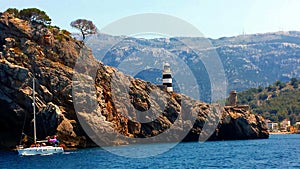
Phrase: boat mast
[33,105]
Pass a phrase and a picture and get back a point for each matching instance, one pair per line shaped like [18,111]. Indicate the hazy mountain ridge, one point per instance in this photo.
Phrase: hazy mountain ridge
[248,60]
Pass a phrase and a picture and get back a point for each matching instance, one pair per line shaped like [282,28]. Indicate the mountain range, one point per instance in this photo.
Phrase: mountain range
[247,60]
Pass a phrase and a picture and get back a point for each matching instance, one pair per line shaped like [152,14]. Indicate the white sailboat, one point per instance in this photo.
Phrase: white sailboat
[39,147]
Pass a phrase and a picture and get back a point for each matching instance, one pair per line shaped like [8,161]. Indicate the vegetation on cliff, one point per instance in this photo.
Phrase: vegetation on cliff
[86,27]
[276,102]
[31,14]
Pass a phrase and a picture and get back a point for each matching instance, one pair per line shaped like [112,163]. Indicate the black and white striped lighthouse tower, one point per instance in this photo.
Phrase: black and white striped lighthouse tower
[167,77]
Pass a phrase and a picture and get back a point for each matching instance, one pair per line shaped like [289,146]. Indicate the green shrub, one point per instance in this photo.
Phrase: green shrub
[35,15]
[13,11]
[263,96]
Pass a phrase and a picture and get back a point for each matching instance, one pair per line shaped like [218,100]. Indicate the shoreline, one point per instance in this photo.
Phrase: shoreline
[286,132]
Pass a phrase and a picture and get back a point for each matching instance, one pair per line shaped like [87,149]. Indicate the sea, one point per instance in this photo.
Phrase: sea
[279,151]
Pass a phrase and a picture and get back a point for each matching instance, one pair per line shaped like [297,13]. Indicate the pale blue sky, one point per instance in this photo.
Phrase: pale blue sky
[214,18]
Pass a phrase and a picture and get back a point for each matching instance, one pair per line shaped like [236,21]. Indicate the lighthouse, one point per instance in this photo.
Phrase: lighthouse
[167,77]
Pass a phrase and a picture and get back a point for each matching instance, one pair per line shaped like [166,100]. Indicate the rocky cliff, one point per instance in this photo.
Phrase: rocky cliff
[65,104]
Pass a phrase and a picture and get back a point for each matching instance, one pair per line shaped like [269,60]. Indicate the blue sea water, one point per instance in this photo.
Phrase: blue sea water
[279,151]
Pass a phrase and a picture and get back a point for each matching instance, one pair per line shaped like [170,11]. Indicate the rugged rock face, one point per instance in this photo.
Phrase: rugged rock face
[238,123]
[29,49]
[116,117]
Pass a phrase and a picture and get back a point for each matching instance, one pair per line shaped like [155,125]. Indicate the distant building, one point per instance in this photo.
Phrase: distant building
[298,126]
[272,126]
[285,124]
[232,99]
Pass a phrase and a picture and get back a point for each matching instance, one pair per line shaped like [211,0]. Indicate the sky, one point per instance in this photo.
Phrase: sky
[214,18]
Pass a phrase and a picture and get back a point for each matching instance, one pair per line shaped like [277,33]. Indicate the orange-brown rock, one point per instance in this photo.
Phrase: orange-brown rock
[143,111]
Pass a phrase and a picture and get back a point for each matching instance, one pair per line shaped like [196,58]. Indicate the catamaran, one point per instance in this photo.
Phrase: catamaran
[39,147]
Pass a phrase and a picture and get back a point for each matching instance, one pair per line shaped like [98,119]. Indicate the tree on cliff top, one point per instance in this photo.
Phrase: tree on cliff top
[85,26]
[13,11]
[35,15]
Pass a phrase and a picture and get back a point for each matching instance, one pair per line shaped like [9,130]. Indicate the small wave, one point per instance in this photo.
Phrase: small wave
[47,154]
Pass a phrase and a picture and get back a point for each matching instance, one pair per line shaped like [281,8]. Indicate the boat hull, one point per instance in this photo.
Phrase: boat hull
[44,150]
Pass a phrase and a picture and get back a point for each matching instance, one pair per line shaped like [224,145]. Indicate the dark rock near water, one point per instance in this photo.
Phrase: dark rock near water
[81,114]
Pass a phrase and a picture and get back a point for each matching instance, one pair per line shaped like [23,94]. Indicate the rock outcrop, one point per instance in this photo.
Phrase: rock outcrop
[125,109]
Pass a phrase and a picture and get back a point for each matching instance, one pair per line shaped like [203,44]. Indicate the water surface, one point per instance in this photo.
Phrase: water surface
[279,151]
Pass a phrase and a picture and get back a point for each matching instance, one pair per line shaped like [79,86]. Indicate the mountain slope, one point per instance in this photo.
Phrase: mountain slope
[248,60]
[275,102]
